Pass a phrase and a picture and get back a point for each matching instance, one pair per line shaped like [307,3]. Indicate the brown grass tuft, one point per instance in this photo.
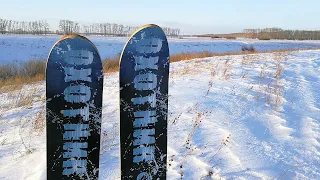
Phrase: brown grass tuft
[203,54]
[231,37]
[13,76]
[248,48]
[39,123]
[16,83]
[110,65]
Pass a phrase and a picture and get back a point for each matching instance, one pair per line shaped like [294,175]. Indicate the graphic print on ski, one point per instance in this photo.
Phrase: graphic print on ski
[74,81]
[144,71]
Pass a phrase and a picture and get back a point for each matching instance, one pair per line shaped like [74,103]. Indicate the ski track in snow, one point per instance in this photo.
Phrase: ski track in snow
[220,123]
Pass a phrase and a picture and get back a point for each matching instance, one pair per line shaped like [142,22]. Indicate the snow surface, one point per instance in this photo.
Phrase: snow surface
[17,48]
[224,122]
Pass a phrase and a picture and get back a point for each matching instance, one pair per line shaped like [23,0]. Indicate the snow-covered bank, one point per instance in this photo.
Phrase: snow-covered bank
[232,117]
[17,48]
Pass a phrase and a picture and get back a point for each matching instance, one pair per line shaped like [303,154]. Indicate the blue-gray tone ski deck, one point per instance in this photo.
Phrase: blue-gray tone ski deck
[144,71]
[74,82]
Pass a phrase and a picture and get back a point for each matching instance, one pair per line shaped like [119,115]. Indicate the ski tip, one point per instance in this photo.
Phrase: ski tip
[143,27]
[135,32]
[150,25]
[69,36]
[73,36]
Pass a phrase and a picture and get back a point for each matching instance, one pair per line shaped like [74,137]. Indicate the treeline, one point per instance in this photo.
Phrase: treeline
[23,27]
[71,27]
[105,29]
[278,33]
[173,32]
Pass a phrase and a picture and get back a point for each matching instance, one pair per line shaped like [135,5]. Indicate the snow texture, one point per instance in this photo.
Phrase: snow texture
[38,47]
[231,117]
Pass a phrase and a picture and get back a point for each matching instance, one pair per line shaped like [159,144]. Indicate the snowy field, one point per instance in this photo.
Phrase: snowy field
[17,48]
[232,117]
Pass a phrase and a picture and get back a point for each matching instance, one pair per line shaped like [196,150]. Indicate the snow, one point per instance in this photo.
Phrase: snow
[17,48]
[230,117]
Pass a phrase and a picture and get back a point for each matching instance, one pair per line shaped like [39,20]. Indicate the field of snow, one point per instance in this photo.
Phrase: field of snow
[17,48]
[232,117]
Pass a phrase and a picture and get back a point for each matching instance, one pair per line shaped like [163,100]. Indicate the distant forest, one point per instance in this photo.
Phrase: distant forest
[71,27]
[113,29]
[269,33]
[278,33]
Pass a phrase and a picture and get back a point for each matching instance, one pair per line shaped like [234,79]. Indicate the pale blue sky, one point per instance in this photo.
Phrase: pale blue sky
[192,17]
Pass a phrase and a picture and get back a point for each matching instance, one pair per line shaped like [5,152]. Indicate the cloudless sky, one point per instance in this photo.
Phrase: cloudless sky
[191,16]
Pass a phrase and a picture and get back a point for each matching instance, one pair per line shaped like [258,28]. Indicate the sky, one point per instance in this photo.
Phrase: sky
[191,16]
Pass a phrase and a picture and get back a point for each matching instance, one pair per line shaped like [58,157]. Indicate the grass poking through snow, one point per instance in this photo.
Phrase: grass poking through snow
[13,76]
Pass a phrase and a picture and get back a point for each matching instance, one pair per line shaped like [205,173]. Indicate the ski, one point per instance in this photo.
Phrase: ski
[74,83]
[144,73]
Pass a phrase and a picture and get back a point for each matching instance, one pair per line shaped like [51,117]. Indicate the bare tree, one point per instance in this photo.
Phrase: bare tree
[3,25]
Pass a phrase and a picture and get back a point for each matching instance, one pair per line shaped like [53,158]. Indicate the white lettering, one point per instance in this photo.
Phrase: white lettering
[145,81]
[144,118]
[143,137]
[75,131]
[75,149]
[144,121]
[143,153]
[77,93]
[74,152]
[77,74]
[71,166]
[145,63]
[78,57]
[84,112]
[150,45]
[142,100]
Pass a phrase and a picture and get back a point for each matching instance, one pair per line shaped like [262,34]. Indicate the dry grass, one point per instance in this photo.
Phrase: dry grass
[17,82]
[24,100]
[203,54]
[230,37]
[270,82]
[110,65]
[278,89]
[13,76]
[248,48]
[39,123]
[23,97]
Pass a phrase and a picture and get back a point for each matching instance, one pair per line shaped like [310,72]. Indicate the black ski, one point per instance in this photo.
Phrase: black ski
[74,82]
[144,71]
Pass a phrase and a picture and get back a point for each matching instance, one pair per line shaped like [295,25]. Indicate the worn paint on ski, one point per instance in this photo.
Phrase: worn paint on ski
[144,71]
[74,81]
